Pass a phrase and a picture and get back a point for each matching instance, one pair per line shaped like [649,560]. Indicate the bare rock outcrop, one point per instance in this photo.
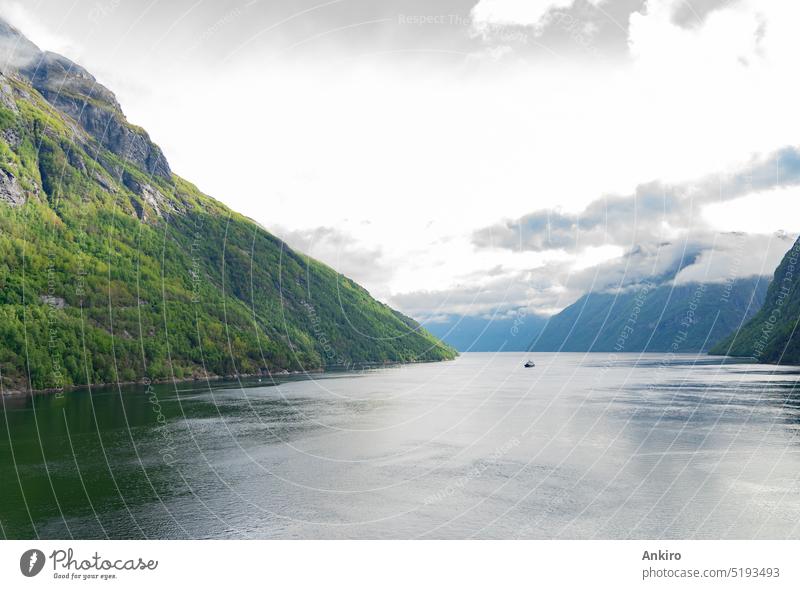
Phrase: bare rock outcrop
[11,192]
[75,92]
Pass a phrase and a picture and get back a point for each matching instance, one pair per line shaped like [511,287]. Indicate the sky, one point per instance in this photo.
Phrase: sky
[470,157]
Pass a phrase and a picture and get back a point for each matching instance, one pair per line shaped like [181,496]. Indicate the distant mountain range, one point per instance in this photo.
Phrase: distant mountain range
[772,336]
[112,268]
[487,333]
[653,318]
[683,318]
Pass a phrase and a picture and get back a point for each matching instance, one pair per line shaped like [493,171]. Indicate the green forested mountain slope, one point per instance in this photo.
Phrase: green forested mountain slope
[653,318]
[772,334]
[114,269]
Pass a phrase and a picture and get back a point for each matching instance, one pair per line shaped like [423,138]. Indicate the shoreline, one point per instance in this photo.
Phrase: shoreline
[355,368]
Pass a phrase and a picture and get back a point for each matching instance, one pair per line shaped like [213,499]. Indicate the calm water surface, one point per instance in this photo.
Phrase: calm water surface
[582,446]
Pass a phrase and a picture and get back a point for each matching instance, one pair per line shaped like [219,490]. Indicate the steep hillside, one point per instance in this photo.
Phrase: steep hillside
[771,336]
[683,318]
[114,269]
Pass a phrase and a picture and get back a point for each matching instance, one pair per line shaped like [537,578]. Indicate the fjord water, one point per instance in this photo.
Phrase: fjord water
[582,446]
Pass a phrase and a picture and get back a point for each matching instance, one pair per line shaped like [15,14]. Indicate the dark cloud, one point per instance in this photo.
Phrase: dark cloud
[641,217]
[214,33]
[781,168]
[611,220]
[581,29]
[217,32]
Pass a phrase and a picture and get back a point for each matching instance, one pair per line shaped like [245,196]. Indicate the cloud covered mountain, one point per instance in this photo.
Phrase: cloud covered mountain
[650,317]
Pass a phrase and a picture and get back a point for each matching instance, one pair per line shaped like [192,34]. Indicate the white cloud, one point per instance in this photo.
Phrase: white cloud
[408,156]
[710,230]
[20,16]
[528,13]
[763,212]
[594,256]
[737,256]
[413,159]
[724,42]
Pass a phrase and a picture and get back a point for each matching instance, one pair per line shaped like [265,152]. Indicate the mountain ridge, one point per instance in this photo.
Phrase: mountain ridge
[653,317]
[76,93]
[114,269]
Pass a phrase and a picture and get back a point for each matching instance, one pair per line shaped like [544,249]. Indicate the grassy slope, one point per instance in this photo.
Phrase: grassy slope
[195,290]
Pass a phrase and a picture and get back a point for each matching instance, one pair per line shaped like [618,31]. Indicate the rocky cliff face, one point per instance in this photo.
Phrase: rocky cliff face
[76,93]
[10,190]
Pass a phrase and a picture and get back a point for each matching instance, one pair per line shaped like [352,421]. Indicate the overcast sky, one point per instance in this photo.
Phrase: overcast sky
[462,156]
